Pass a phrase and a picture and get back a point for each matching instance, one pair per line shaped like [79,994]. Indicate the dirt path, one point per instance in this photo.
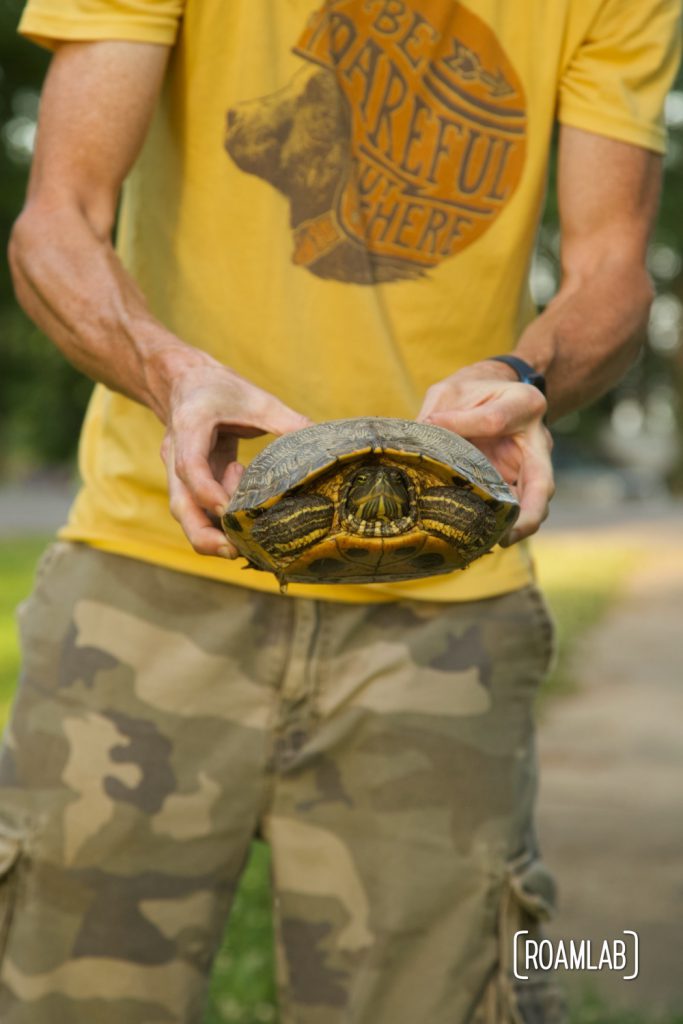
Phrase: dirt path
[611,800]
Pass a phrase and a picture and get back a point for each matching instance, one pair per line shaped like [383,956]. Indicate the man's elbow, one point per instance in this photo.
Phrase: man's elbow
[618,282]
[45,233]
[32,233]
[22,250]
[637,298]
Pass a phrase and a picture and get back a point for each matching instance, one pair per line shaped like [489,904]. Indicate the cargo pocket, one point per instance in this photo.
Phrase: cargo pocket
[527,900]
[11,849]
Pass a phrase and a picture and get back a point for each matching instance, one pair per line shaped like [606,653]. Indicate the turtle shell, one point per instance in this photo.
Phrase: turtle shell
[307,475]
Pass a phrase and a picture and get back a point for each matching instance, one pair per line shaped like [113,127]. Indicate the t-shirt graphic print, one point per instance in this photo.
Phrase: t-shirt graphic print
[397,144]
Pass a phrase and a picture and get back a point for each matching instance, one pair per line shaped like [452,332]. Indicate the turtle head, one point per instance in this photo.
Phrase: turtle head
[378,493]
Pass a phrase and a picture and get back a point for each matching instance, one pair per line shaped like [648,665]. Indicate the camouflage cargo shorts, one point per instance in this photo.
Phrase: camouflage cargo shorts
[385,752]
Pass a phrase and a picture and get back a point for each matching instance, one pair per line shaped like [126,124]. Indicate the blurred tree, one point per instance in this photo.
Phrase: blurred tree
[42,398]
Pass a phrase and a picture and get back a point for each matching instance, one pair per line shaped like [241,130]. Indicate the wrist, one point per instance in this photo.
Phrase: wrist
[487,369]
[494,368]
[524,372]
[169,362]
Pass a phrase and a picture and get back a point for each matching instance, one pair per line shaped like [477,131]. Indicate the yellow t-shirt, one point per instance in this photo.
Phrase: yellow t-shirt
[339,200]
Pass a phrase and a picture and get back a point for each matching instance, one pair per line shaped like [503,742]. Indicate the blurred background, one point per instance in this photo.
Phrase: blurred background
[610,559]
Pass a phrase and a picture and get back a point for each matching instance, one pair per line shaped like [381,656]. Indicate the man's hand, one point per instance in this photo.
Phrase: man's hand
[587,336]
[211,407]
[504,419]
[95,108]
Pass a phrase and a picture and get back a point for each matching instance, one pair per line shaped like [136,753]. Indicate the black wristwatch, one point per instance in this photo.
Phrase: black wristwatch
[524,371]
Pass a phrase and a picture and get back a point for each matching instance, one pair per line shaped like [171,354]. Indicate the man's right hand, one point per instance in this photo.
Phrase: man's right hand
[96,106]
[210,408]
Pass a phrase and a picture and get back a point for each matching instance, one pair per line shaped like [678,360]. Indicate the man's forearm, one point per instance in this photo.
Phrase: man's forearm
[589,335]
[71,283]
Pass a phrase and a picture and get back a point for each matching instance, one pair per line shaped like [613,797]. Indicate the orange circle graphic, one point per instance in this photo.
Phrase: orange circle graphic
[437,124]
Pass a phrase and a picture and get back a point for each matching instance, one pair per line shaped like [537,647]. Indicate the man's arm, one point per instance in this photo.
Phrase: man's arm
[95,110]
[589,334]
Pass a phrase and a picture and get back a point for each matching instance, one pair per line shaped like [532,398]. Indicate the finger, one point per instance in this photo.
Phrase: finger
[277,418]
[198,469]
[535,488]
[191,466]
[503,413]
[224,451]
[196,525]
[263,412]
[481,422]
[231,478]
[433,396]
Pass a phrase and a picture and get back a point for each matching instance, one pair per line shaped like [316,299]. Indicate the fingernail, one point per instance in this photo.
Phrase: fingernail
[226,552]
[220,510]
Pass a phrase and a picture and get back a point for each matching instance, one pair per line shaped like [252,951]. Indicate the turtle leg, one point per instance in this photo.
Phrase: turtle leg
[458,516]
[294,524]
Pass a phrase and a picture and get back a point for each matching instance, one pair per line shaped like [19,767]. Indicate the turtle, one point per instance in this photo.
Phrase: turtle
[365,500]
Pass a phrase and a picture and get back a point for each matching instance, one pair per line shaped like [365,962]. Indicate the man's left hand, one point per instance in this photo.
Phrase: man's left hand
[504,419]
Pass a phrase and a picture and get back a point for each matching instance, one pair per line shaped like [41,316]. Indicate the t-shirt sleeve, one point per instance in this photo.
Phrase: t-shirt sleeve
[617,79]
[48,22]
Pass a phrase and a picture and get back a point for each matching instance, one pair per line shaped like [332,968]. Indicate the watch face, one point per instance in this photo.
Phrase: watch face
[538,380]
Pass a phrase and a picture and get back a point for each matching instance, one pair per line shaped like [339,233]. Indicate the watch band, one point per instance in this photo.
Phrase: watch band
[524,371]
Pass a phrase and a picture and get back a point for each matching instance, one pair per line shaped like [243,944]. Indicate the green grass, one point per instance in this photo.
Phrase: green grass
[242,987]
[581,579]
[593,1010]
[17,565]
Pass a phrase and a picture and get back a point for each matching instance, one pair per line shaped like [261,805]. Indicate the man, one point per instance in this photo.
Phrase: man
[357,243]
